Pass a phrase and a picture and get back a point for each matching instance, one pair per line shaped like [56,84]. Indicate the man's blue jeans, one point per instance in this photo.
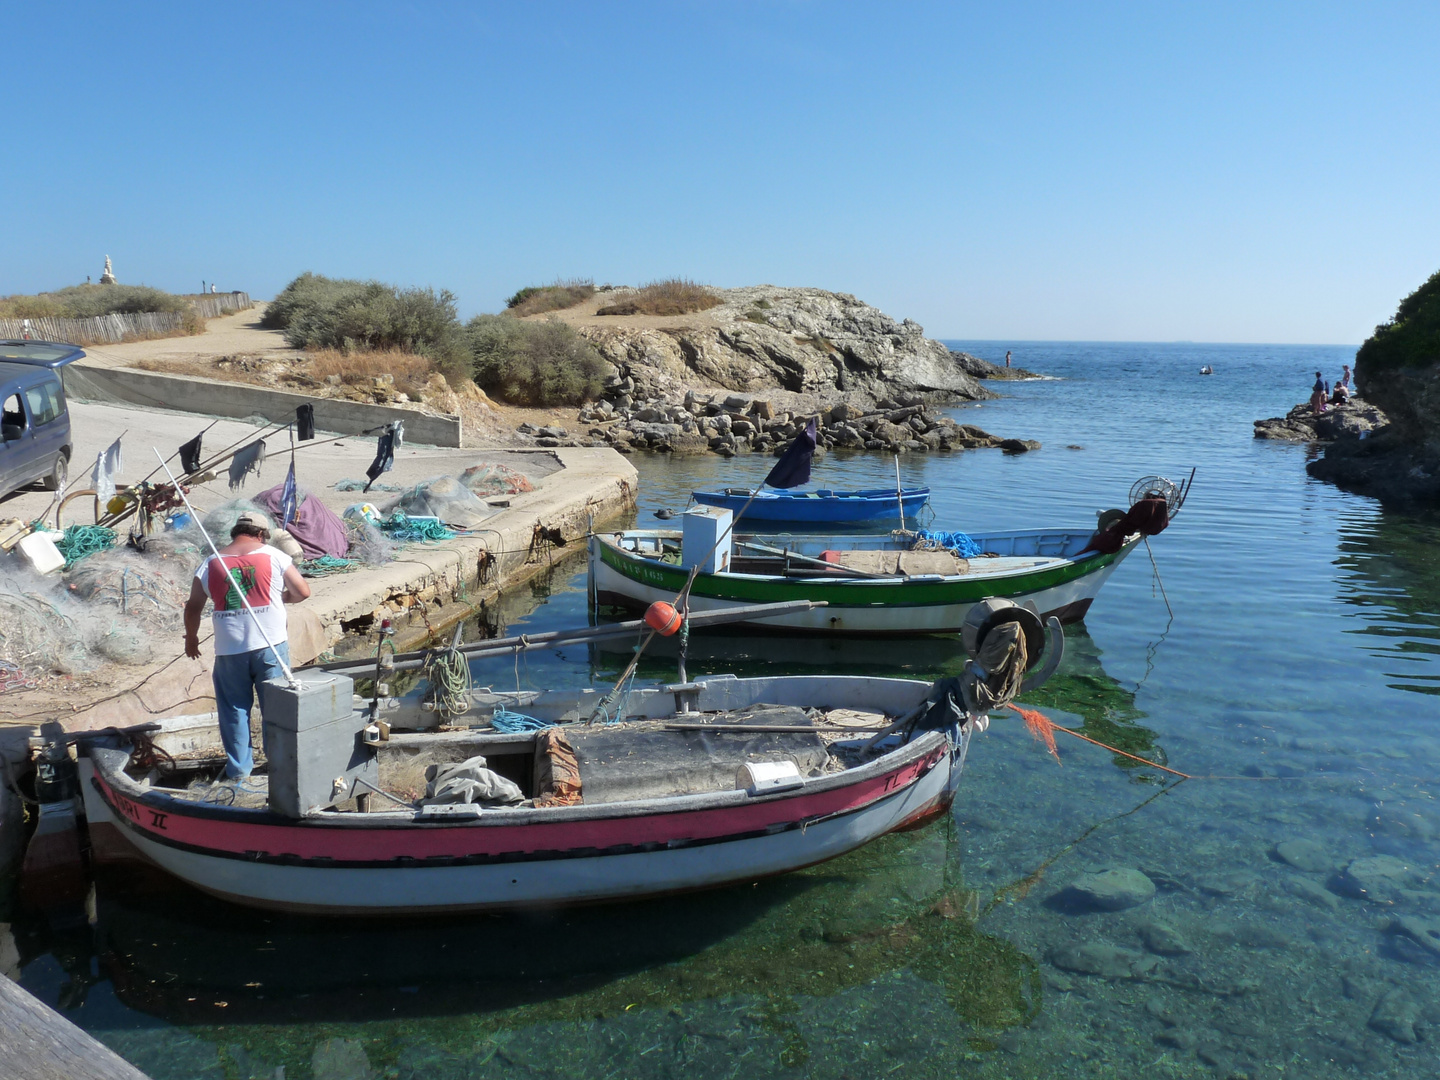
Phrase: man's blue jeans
[236,678]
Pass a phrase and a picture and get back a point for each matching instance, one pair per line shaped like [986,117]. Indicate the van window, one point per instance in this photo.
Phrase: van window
[14,415]
[46,402]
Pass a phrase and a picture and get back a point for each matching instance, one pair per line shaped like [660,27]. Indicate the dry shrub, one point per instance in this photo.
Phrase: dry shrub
[673,296]
[538,299]
[358,368]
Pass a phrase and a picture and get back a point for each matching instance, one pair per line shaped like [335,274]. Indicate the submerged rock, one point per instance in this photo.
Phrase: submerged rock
[1396,1015]
[1304,854]
[1379,879]
[1109,890]
[341,1059]
[1161,937]
[1311,893]
[1105,961]
[1425,932]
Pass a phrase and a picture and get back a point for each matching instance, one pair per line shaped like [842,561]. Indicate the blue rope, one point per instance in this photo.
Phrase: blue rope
[513,723]
[958,542]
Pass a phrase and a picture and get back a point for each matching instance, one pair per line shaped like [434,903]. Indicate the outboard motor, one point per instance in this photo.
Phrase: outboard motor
[53,874]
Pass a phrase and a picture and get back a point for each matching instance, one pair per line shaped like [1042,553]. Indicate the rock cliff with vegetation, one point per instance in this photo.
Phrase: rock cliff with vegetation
[1398,370]
[768,338]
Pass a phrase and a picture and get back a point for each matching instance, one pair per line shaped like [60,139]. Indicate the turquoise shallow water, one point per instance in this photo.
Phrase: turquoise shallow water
[1298,679]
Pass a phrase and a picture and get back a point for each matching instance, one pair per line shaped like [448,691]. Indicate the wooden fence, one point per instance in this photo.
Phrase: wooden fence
[213,305]
[112,329]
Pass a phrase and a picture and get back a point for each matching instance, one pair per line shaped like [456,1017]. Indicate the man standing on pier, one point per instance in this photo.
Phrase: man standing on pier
[268,580]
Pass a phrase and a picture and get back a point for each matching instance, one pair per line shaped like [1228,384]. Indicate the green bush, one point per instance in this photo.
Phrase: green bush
[1411,338]
[88,301]
[533,363]
[317,312]
[537,299]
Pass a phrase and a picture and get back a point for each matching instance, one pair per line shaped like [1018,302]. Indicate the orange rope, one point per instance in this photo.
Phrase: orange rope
[1043,729]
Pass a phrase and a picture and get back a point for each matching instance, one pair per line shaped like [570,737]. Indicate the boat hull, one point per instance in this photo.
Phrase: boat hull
[813,508]
[859,607]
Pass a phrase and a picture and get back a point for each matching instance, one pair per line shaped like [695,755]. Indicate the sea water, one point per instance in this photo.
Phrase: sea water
[1282,649]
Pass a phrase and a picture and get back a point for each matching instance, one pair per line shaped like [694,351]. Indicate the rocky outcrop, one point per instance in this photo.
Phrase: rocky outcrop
[1398,369]
[1355,420]
[983,369]
[764,338]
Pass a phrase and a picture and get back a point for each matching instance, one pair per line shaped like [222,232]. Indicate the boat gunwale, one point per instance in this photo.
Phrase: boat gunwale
[495,817]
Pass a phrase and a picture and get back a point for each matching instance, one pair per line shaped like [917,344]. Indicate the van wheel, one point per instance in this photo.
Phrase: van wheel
[59,473]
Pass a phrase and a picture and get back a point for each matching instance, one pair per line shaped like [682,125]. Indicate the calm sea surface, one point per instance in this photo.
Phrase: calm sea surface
[1298,680]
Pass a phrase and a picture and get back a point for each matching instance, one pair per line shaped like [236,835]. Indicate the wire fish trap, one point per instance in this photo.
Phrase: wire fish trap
[1157,487]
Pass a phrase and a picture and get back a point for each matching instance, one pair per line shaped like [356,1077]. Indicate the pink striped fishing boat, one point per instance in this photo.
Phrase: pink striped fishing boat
[699,784]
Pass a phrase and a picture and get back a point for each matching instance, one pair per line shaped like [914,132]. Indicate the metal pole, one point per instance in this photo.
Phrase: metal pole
[289,675]
[899,497]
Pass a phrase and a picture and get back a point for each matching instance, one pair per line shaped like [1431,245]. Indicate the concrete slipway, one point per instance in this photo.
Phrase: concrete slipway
[435,585]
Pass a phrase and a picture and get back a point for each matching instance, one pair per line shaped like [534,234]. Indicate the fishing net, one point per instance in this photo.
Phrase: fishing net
[492,478]
[40,633]
[148,589]
[221,520]
[443,497]
[367,543]
[364,485]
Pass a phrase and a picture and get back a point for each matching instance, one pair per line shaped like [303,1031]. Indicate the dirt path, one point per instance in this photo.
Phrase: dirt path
[229,335]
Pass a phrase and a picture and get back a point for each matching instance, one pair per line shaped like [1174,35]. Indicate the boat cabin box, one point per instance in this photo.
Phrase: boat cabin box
[705,539]
[313,740]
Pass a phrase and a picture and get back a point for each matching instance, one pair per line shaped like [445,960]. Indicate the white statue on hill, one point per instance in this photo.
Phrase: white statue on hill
[108,277]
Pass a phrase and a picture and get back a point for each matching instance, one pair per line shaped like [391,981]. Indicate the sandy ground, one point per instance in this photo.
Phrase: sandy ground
[229,335]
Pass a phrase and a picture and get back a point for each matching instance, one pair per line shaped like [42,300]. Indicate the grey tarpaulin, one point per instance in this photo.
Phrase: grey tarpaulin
[468,781]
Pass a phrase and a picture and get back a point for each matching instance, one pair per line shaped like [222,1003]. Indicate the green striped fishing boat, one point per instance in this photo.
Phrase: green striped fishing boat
[871,585]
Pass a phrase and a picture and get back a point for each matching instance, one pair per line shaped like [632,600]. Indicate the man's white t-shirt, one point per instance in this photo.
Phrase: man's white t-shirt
[261,573]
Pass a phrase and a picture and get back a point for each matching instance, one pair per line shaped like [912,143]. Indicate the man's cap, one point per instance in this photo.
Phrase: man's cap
[254,520]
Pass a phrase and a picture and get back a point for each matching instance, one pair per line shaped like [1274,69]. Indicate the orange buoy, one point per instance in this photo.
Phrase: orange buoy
[662,618]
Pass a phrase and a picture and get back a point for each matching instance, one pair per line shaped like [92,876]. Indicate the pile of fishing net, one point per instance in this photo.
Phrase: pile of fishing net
[221,520]
[39,633]
[368,544]
[441,497]
[149,589]
[492,478]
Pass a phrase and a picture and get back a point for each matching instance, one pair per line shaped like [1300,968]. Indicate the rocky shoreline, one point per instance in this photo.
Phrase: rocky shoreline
[1355,420]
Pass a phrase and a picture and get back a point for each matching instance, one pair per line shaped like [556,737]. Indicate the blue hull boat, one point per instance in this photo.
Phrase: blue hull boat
[818,507]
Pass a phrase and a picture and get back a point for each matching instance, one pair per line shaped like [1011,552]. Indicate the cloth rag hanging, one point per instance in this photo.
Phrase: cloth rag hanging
[384,454]
[287,498]
[107,467]
[305,422]
[793,468]
[190,454]
[247,459]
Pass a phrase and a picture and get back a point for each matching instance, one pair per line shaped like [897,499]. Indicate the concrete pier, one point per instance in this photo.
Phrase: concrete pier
[37,1043]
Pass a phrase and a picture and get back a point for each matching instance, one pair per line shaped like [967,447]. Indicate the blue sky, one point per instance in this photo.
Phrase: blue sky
[1215,172]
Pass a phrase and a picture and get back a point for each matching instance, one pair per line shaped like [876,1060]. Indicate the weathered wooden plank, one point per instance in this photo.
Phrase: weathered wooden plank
[37,1043]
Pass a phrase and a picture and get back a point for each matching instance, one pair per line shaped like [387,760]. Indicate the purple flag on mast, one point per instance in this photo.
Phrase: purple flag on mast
[793,468]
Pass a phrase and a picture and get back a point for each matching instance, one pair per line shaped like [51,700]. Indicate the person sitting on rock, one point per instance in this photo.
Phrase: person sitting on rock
[1341,394]
[1318,394]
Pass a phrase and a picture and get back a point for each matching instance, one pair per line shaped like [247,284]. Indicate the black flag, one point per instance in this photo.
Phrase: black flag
[305,422]
[190,454]
[793,468]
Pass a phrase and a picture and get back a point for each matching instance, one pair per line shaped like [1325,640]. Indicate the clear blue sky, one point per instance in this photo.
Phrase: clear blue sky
[1210,172]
